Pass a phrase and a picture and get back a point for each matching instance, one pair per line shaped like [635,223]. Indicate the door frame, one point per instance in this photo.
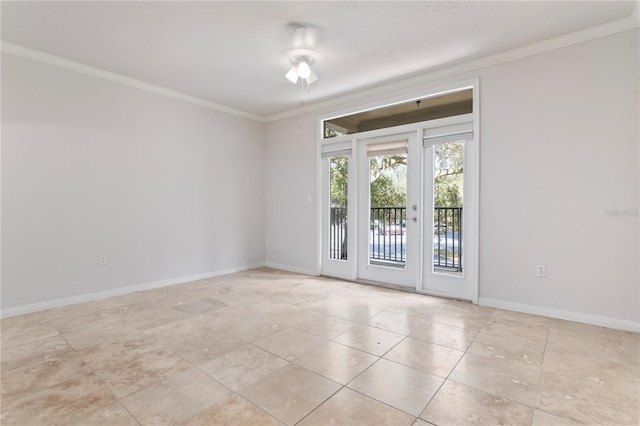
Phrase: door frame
[350,270]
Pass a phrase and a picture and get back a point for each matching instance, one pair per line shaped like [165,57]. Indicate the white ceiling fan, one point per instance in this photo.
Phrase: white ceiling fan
[302,57]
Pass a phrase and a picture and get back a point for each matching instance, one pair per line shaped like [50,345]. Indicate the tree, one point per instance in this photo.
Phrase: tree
[448,174]
[339,188]
[388,176]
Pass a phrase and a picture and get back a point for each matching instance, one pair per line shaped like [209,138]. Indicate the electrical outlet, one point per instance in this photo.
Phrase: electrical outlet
[102,260]
[541,271]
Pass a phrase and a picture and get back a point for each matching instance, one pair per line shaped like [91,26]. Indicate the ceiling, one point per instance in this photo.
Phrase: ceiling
[230,53]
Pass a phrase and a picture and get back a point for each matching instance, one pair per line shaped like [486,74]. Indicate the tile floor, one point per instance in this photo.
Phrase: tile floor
[266,347]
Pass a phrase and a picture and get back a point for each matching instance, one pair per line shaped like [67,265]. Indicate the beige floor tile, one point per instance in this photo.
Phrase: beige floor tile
[322,325]
[283,313]
[113,414]
[252,329]
[25,329]
[242,366]
[33,352]
[463,316]
[402,387]
[498,378]
[71,320]
[395,322]
[602,346]
[213,289]
[348,407]
[57,403]
[445,335]
[297,295]
[369,339]
[420,422]
[582,328]
[290,393]
[522,317]
[420,299]
[242,297]
[541,418]
[233,411]
[146,342]
[428,357]
[99,332]
[178,331]
[584,368]
[199,306]
[512,351]
[149,315]
[424,309]
[127,367]
[176,398]
[290,343]
[337,362]
[631,345]
[350,310]
[613,402]
[32,378]
[522,330]
[205,347]
[456,404]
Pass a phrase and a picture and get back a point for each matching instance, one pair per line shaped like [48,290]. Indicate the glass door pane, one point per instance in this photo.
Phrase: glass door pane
[448,198]
[388,211]
[339,195]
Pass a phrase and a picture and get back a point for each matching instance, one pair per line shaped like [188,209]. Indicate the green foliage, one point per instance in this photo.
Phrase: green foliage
[448,191]
[388,180]
[388,176]
[448,176]
[339,185]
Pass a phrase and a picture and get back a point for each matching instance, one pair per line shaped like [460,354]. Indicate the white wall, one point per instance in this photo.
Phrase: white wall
[290,194]
[559,148]
[163,188]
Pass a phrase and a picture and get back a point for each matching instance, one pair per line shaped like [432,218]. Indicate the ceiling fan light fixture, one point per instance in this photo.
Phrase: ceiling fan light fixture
[312,77]
[292,75]
[301,69]
[304,70]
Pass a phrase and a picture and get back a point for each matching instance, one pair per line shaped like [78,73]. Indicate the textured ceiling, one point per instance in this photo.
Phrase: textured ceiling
[230,53]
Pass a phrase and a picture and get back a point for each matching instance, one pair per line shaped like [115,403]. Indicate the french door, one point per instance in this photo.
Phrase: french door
[400,208]
[387,219]
[449,199]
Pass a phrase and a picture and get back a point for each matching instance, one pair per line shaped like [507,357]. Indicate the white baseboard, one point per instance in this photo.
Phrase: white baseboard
[290,268]
[57,303]
[608,322]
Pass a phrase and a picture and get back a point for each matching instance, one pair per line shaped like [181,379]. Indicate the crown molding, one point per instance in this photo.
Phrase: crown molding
[630,22]
[610,28]
[36,55]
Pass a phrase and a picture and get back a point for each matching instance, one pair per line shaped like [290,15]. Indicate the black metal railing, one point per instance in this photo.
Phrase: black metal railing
[387,242]
[338,233]
[388,236]
[447,238]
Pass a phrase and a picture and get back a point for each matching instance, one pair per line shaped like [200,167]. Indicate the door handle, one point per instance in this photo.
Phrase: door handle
[415,219]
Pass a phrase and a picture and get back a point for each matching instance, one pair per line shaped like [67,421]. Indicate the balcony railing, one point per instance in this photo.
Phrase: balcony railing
[447,238]
[387,241]
[387,237]
[338,233]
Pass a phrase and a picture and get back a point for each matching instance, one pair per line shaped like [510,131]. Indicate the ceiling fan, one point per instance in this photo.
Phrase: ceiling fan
[302,57]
